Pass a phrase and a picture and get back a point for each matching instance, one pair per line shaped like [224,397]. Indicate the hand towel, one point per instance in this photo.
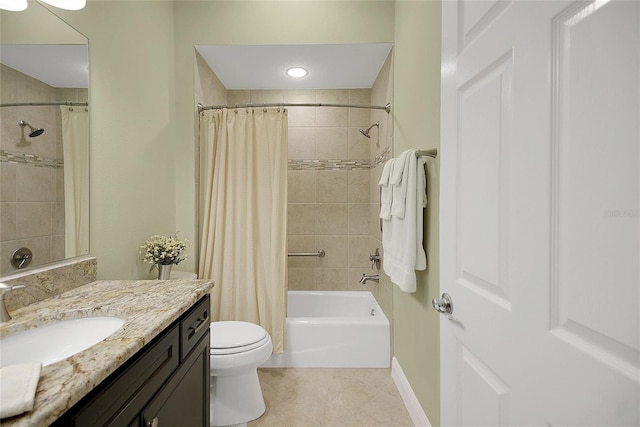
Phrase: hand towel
[18,385]
[399,181]
[386,191]
[402,237]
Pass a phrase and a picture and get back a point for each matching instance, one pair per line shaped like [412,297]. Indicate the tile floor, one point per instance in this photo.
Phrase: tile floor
[305,397]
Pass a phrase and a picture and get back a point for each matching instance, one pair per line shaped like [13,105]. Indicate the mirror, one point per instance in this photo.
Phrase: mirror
[44,140]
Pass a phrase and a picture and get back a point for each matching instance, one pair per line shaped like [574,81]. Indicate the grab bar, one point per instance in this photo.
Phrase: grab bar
[320,253]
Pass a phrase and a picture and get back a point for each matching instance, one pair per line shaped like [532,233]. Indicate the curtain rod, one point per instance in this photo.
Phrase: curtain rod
[202,108]
[40,104]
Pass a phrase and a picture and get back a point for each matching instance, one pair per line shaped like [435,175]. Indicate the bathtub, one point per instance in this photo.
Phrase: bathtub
[334,329]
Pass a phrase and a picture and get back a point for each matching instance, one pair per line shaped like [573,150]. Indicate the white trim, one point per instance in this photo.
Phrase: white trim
[410,400]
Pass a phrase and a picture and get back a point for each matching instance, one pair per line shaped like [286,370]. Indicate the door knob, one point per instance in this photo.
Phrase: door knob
[443,305]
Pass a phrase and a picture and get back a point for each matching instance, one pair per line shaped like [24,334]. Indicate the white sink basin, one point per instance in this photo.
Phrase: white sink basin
[53,342]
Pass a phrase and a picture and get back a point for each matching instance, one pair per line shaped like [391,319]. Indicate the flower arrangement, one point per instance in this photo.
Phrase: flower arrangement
[163,250]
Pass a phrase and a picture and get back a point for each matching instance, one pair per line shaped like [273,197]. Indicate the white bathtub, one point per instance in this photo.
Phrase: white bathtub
[334,330]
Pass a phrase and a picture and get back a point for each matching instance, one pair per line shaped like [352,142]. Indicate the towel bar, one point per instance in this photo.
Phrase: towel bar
[427,153]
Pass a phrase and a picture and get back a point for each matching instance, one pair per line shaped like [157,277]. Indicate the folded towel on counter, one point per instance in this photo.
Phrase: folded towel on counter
[18,385]
[386,190]
[402,237]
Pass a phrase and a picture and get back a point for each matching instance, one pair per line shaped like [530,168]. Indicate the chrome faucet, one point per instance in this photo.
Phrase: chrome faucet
[373,278]
[4,288]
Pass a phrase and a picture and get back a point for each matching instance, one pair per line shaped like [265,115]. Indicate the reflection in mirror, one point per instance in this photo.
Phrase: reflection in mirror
[44,140]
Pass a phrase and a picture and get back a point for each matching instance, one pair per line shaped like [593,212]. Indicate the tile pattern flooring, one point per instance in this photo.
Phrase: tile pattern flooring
[305,397]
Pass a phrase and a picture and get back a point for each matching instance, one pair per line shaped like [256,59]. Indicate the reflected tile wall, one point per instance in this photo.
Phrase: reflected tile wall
[31,169]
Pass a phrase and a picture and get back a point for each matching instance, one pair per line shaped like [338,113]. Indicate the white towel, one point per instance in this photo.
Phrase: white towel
[386,190]
[398,180]
[402,237]
[18,385]
[421,203]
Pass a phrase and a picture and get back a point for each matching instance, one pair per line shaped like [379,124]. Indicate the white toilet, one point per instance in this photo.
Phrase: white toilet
[237,349]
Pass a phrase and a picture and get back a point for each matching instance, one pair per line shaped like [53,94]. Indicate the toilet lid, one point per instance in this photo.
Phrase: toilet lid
[233,334]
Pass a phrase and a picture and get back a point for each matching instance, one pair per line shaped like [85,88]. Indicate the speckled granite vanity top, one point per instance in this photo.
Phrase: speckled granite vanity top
[147,306]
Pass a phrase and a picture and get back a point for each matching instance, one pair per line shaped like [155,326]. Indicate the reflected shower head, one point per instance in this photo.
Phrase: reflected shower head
[34,131]
[366,132]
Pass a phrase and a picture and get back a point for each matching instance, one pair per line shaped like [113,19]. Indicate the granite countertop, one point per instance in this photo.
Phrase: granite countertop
[147,306]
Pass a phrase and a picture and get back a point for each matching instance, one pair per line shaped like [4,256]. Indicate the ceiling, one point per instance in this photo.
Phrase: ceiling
[335,66]
[60,66]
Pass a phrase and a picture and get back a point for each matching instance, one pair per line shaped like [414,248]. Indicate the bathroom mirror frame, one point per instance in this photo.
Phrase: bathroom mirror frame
[38,29]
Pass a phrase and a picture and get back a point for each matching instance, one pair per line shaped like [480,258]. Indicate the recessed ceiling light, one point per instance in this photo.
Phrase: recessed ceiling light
[13,5]
[297,72]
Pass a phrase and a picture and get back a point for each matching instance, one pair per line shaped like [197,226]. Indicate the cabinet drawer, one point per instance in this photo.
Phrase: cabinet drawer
[194,325]
[120,401]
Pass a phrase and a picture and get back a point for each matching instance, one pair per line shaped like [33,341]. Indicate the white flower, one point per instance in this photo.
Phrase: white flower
[163,250]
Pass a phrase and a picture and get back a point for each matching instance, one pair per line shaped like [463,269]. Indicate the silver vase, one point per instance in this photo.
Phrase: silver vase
[164,271]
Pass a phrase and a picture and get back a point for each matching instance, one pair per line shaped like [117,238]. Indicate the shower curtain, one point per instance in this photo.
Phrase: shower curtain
[75,146]
[243,249]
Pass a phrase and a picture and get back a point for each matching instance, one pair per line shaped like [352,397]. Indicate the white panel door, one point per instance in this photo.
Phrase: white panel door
[540,161]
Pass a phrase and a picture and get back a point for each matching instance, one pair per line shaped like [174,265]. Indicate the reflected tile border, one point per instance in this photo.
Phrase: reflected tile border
[31,160]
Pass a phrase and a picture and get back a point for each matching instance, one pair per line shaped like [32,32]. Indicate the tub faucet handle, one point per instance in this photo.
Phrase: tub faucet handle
[375,259]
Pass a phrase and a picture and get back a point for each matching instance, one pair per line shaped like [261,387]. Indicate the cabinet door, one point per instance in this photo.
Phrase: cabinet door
[118,403]
[184,399]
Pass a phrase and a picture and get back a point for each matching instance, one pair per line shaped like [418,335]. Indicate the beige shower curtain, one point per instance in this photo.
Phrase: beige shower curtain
[75,146]
[244,215]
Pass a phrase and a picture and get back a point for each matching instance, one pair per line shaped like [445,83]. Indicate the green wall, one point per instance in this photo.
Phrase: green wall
[142,125]
[256,23]
[417,125]
[133,168]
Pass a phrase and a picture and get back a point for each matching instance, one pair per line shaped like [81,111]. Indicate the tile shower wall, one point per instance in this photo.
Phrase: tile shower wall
[381,93]
[328,185]
[31,169]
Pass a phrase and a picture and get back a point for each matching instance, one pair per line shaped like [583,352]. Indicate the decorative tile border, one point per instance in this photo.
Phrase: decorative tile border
[31,160]
[328,164]
[297,165]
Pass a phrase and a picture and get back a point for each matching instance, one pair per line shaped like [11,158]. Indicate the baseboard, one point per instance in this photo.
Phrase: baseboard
[410,400]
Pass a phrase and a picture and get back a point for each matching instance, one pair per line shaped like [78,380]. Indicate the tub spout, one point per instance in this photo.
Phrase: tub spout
[373,278]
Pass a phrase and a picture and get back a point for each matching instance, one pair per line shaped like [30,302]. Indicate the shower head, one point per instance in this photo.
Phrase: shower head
[366,132]
[34,131]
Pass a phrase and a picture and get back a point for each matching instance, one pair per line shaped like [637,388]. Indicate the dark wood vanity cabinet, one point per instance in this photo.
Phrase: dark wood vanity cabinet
[165,384]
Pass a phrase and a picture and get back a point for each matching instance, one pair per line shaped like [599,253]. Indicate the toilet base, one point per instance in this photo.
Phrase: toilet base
[236,399]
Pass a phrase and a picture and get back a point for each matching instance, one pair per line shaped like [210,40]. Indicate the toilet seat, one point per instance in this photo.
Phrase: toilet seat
[232,337]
